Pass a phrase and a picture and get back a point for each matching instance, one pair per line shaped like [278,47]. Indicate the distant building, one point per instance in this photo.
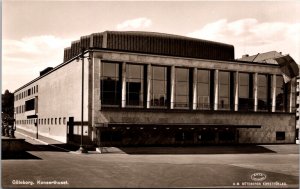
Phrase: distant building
[145,88]
[267,57]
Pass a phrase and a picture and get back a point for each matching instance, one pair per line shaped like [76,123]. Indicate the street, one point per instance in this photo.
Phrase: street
[229,166]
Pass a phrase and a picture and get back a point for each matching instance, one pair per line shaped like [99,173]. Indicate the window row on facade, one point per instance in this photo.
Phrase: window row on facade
[145,86]
[44,121]
[29,105]
[28,92]
[20,109]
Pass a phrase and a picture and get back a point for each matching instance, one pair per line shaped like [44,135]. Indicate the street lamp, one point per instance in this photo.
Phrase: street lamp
[81,148]
[37,128]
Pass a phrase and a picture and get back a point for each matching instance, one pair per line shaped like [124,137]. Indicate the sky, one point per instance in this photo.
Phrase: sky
[34,33]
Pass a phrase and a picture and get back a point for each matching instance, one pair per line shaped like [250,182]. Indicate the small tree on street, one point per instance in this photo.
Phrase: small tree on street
[7,105]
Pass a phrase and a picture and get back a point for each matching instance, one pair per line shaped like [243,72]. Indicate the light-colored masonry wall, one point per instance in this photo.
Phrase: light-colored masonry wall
[27,124]
[270,123]
[59,97]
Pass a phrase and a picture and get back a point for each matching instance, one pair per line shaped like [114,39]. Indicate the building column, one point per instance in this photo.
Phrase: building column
[195,100]
[291,91]
[123,98]
[236,91]
[149,76]
[96,98]
[172,98]
[255,91]
[216,89]
[273,92]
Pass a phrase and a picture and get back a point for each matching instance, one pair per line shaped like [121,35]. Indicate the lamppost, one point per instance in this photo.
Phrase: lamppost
[15,116]
[81,148]
[37,128]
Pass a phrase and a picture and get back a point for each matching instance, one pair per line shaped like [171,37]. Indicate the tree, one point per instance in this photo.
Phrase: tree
[8,105]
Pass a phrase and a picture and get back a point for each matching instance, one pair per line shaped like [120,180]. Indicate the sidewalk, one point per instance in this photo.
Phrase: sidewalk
[41,139]
[31,138]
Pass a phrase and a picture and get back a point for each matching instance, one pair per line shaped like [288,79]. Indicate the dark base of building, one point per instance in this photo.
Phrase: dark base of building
[163,136]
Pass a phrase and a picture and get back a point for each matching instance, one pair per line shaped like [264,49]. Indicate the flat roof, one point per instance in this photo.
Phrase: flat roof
[152,43]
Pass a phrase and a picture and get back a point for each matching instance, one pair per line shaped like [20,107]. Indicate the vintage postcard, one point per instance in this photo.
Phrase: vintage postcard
[150,94]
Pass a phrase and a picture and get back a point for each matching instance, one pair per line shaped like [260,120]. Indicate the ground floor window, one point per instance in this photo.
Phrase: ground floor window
[112,136]
[226,135]
[184,136]
[280,135]
[206,135]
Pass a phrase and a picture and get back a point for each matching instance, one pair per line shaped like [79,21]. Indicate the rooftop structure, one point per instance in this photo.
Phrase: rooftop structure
[152,43]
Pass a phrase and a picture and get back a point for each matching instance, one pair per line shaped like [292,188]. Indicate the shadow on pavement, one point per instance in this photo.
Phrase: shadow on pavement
[41,147]
[242,149]
[18,155]
[27,147]
[67,147]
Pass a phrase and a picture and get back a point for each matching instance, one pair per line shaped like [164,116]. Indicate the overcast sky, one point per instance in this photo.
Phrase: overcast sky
[35,33]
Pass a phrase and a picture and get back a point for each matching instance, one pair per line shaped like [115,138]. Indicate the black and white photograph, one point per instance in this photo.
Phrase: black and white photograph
[150,94]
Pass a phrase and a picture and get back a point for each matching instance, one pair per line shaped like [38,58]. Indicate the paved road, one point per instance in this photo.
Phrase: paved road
[278,163]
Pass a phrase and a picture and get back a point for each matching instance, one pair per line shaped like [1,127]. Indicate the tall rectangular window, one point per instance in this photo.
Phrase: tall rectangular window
[245,102]
[224,90]
[203,89]
[262,92]
[134,85]
[159,86]
[110,84]
[281,96]
[181,87]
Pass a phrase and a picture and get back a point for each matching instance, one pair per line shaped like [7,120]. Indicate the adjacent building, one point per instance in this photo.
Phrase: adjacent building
[145,88]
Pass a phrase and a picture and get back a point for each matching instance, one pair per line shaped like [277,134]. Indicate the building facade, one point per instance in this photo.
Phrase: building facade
[144,88]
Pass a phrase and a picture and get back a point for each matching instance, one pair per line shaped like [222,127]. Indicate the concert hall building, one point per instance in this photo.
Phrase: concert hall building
[146,88]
